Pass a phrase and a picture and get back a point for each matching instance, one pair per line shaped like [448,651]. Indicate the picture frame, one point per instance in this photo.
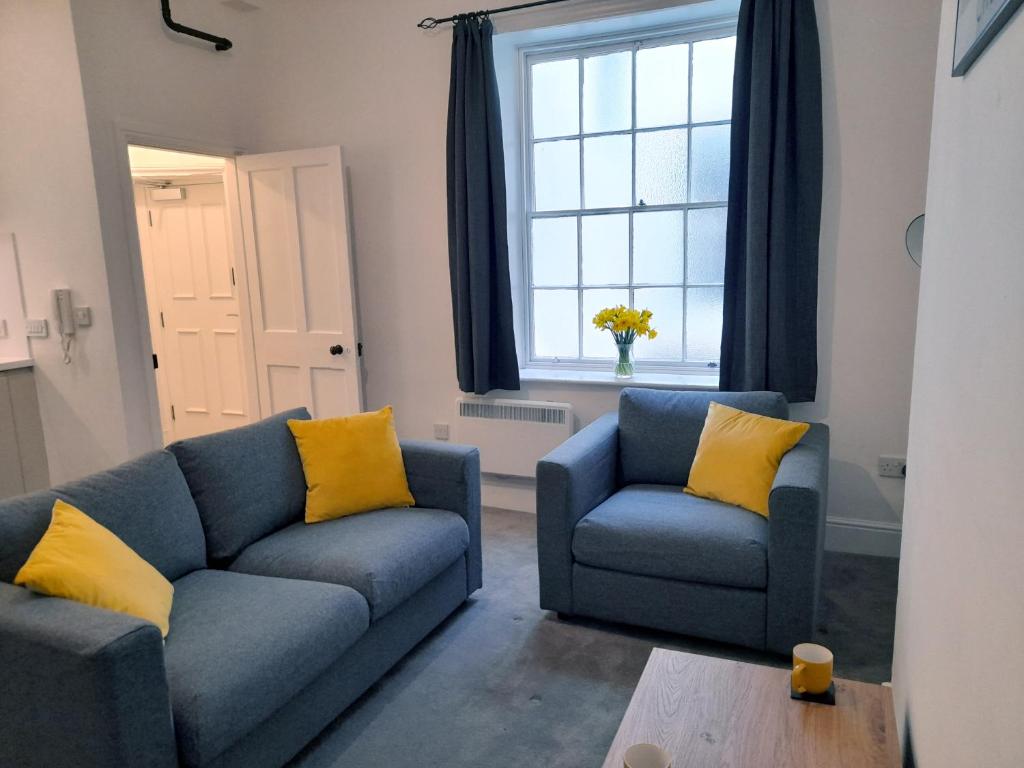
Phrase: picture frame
[978,22]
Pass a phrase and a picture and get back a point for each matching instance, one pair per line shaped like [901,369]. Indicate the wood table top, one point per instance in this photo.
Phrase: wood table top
[710,712]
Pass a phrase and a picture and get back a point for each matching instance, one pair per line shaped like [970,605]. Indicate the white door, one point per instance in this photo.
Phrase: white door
[299,271]
[201,349]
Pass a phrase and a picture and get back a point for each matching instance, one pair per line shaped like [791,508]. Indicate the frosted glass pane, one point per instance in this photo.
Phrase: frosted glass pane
[658,247]
[556,175]
[662,76]
[712,79]
[556,330]
[606,249]
[599,343]
[703,324]
[705,244]
[607,171]
[556,98]
[709,181]
[661,167]
[608,92]
[667,306]
[554,251]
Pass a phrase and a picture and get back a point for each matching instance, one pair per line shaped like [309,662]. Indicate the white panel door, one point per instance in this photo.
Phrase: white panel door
[299,268]
[201,345]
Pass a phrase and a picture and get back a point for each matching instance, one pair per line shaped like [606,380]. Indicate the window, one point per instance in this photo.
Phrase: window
[627,174]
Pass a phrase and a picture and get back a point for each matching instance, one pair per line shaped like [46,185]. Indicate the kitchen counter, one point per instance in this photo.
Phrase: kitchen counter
[12,363]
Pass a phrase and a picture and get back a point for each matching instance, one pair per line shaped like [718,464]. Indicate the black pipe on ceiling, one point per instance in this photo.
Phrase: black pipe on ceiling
[219,43]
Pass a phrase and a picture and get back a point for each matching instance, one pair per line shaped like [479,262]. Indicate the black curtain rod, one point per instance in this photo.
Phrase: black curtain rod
[430,22]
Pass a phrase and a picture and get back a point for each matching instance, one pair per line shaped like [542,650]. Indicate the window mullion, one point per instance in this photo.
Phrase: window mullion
[689,175]
[579,226]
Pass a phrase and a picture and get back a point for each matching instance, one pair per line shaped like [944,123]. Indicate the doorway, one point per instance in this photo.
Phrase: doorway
[247,277]
[202,363]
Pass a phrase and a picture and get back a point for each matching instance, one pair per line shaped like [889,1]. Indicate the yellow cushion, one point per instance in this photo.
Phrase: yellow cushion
[738,456]
[352,464]
[79,559]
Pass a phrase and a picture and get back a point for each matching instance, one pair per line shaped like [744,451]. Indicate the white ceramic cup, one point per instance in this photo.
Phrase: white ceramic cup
[646,756]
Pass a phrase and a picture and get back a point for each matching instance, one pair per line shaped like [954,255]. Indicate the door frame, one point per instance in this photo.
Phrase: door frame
[147,136]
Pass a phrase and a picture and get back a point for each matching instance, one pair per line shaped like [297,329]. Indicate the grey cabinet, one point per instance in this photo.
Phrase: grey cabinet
[23,465]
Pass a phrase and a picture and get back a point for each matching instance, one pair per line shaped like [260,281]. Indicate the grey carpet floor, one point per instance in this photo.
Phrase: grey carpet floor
[503,683]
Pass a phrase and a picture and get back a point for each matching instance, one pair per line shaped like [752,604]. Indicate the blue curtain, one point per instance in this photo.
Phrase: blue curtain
[485,350]
[769,328]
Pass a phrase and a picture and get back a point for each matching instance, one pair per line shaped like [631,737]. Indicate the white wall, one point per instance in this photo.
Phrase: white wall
[48,200]
[958,662]
[13,342]
[361,74]
[138,74]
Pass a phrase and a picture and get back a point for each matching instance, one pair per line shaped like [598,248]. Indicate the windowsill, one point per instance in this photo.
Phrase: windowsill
[699,381]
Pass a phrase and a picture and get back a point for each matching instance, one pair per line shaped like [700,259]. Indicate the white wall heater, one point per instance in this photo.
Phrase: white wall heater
[511,434]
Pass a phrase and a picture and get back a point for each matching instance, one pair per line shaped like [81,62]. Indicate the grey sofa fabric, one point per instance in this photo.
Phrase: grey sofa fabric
[445,476]
[726,614]
[278,738]
[797,510]
[613,547]
[242,646]
[82,687]
[386,555]
[656,530]
[246,482]
[253,667]
[571,480]
[659,430]
[145,502]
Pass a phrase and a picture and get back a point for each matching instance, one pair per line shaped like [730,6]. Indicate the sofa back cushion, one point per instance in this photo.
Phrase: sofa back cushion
[144,502]
[659,430]
[246,482]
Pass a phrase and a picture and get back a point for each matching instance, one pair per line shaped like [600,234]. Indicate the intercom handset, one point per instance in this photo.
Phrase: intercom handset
[65,320]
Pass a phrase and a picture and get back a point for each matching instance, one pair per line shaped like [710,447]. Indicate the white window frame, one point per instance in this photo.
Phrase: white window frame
[582,47]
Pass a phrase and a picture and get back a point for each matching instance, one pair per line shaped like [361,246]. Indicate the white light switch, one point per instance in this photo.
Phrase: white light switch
[38,329]
[83,317]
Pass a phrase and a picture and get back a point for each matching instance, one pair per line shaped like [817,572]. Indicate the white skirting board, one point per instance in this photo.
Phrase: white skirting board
[861,537]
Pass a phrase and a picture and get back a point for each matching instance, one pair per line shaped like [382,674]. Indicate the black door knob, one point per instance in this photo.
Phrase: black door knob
[337,349]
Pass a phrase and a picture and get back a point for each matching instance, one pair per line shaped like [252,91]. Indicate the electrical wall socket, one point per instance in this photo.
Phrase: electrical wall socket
[892,466]
[440,431]
[38,329]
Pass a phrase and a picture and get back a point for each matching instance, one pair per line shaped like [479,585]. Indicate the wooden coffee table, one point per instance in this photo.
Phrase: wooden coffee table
[711,712]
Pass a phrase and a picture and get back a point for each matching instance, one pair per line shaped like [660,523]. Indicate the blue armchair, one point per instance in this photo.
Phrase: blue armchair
[618,540]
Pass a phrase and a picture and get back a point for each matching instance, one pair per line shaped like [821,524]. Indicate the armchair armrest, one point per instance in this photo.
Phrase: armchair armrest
[446,476]
[571,480]
[796,540]
[81,686]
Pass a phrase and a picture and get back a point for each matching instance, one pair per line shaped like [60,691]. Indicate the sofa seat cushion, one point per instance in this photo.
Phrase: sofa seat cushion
[657,530]
[386,555]
[242,646]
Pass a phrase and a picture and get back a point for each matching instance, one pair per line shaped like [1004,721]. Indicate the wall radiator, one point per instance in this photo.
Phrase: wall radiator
[511,434]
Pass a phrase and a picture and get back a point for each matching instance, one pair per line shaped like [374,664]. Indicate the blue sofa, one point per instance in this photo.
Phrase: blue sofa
[277,626]
[618,540]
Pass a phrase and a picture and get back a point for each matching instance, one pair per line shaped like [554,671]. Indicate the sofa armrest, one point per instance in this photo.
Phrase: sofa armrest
[446,476]
[796,540]
[81,686]
[571,480]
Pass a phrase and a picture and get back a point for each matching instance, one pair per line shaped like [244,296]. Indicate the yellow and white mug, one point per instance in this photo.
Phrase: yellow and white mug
[812,668]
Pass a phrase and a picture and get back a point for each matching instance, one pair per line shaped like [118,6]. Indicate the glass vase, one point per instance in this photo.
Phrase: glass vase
[624,367]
